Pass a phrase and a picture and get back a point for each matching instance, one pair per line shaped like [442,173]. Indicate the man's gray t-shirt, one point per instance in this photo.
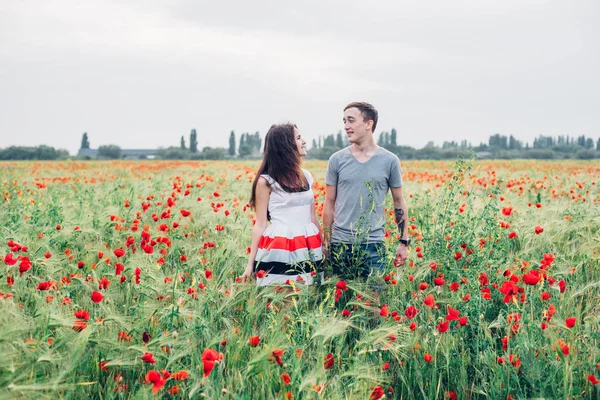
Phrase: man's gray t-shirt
[361,191]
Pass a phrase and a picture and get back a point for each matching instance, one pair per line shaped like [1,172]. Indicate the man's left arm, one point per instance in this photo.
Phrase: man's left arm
[401,217]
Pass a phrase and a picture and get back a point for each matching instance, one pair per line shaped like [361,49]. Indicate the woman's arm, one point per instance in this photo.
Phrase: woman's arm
[313,209]
[315,220]
[263,192]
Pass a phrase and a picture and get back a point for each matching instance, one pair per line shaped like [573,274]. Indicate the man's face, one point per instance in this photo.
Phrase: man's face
[355,126]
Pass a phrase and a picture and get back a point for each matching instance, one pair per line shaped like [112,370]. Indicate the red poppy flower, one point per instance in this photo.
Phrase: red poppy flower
[329,361]
[44,286]
[173,390]
[377,393]
[427,357]
[483,279]
[429,301]
[148,358]
[209,357]
[442,327]
[180,376]
[285,377]
[546,296]
[97,297]
[79,325]
[156,379]
[507,211]
[123,337]
[82,314]
[453,314]
[276,355]
[119,268]
[261,274]
[346,313]
[254,341]
[9,260]
[565,349]
[384,311]
[486,294]
[532,277]
[119,252]
[103,284]
[411,312]
[24,265]
[451,395]
[562,285]
[570,321]
[509,289]
[538,229]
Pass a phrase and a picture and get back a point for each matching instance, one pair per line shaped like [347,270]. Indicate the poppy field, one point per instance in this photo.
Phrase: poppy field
[121,280]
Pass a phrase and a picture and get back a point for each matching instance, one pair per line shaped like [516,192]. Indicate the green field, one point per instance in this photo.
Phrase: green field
[108,291]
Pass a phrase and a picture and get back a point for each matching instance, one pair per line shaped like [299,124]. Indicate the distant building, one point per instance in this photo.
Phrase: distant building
[135,154]
[483,154]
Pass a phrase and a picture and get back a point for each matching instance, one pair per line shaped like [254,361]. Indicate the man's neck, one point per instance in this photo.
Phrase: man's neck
[367,147]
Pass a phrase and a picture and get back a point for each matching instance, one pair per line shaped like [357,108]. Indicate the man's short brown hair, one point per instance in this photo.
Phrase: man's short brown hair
[367,111]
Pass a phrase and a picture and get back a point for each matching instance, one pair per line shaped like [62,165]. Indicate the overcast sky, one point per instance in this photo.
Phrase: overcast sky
[140,74]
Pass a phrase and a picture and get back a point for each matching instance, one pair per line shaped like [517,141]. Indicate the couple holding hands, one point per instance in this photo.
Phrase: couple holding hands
[287,242]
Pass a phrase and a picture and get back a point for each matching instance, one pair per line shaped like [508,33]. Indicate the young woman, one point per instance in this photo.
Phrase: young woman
[289,248]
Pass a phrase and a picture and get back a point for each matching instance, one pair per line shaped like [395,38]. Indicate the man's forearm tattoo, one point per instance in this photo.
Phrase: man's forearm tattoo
[399,213]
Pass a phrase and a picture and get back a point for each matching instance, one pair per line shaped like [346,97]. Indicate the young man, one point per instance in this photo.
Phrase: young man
[358,178]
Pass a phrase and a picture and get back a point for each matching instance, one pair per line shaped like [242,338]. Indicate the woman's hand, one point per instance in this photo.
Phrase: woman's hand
[247,275]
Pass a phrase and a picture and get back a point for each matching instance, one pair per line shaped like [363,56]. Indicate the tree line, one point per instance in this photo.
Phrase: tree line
[498,147]
[249,146]
[33,153]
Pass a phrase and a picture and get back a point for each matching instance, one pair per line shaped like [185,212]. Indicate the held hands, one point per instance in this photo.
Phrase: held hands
[401,255]
[325,250]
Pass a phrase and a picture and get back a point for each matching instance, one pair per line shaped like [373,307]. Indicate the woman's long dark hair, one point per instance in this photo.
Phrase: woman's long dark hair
[281,160]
